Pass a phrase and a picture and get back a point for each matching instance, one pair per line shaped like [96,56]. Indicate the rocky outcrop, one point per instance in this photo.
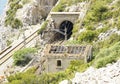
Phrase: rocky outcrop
[32,13]
[77,7]
[107,34]
[106,75]
[35,11]
[7,36]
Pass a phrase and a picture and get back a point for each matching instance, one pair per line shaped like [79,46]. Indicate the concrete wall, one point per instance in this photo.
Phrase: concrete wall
[59,17]
[51,63]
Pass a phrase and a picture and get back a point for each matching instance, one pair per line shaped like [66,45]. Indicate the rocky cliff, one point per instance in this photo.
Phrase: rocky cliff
[36,11]
[106,75]
[31,13]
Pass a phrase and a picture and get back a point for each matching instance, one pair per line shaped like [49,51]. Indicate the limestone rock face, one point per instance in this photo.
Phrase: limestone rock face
[7,34]
[106,75]
[77,7]
[35,11]
[64,82]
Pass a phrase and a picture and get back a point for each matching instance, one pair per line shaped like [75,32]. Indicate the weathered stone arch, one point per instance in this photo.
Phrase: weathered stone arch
[60,20]
[63,20]
[59,17]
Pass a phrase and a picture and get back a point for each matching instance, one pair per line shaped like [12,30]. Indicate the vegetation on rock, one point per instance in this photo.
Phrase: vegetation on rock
[10,19]
[104,51]
[43,27]
[23,56]
[64,3]
[108,55]
[29,77]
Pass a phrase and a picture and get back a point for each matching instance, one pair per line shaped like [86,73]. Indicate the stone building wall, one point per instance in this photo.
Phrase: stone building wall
[65,62]
[59,57]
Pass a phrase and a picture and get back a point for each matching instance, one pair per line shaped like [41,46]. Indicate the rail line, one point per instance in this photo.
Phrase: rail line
[5,49]
[8,52]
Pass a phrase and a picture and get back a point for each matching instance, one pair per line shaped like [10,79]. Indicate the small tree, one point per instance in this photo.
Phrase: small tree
[22,57]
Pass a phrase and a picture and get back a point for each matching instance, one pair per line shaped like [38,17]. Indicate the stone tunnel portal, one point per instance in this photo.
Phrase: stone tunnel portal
[68,26]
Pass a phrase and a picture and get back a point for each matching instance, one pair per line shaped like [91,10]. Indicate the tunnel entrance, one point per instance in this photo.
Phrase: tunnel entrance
[66,27]
[69,27]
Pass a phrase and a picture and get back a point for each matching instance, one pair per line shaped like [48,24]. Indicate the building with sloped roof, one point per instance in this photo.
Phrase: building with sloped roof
[58,57]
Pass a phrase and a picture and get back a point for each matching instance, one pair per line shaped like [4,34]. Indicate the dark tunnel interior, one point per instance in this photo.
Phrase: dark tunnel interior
[69,26]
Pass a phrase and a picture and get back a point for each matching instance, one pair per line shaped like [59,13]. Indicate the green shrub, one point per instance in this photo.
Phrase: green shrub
[118,23]
[114,38]
[76,27]
[103,61]
[22,57]
[116,13]
[118,4]
[87,36]
[59,8]
[90,27]
[78,65]
[72,42]
[89,18]
[100,12]
[43,27]
[16,23]
[10,14]
[27,77]
[108,55]
[97,12]
[55,78]
[64,3]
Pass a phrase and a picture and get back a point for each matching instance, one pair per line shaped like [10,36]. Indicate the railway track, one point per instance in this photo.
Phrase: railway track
[8,52]
[5,49]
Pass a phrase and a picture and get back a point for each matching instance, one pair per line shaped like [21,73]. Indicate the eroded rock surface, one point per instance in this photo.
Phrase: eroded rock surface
[106,75]
[35,11]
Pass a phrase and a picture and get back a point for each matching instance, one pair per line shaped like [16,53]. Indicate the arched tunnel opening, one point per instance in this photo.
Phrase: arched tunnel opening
[66,27]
